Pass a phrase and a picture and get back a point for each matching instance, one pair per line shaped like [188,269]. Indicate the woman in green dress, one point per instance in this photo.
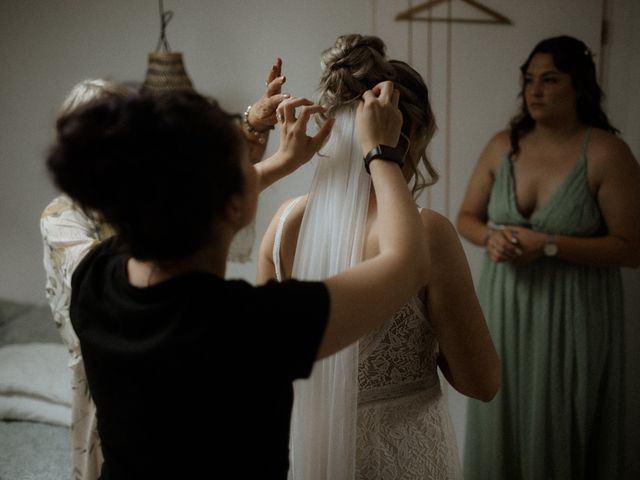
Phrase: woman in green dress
[555,201]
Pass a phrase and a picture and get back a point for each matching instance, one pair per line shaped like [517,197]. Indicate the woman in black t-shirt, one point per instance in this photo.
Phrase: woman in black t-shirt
[153,313]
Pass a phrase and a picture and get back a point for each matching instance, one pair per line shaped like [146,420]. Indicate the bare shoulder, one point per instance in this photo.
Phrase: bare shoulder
[441,234]
[607,151]
[449,264]
[294,217]
[290,230]
[497,146]
[603,143]
[500,140]
[288,240]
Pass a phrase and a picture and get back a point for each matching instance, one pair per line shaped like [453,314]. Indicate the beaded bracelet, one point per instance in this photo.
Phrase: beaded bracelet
[261,135]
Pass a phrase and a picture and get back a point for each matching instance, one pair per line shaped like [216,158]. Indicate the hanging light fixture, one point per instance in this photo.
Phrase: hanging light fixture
[165,69]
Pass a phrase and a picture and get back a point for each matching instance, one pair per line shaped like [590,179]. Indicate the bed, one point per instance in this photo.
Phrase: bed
[34,395]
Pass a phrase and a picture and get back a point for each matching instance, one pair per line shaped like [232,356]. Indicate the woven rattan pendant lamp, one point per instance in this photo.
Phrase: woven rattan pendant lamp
[165,69]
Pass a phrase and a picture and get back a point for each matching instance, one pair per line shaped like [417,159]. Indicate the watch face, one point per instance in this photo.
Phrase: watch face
[550,249]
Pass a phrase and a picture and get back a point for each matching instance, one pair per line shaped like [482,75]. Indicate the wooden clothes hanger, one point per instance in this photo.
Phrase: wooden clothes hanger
[495,17]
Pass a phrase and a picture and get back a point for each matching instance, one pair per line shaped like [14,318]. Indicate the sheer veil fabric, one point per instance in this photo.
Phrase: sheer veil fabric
[323,424]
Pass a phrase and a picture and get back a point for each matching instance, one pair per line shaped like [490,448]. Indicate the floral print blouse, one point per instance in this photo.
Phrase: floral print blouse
[68,234]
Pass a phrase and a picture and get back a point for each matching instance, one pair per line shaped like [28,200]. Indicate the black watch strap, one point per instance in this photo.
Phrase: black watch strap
[383,152]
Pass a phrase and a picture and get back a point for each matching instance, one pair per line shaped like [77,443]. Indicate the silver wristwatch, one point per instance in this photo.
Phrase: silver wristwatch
[551,248]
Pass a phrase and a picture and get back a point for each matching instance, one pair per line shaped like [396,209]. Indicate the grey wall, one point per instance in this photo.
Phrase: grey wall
[621,78]
[48,45]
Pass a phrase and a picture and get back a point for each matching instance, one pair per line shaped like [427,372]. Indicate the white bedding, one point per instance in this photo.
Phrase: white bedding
[35,383]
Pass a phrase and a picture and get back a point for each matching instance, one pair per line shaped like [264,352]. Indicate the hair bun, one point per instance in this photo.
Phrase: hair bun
[348,46]
[354,64]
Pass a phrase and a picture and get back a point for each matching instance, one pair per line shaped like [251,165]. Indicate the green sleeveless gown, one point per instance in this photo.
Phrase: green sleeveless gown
[558,329]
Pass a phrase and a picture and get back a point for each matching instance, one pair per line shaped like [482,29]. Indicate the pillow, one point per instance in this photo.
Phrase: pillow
[35,383]
[14,407]
[36,370]
[26,323]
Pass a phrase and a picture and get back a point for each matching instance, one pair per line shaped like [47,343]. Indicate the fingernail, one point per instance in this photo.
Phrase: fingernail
[286,95]
[514,240]
[518,252]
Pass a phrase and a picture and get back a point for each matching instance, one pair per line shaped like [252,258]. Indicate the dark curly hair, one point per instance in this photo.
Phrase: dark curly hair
[356,63]
[573,57]
[158,169]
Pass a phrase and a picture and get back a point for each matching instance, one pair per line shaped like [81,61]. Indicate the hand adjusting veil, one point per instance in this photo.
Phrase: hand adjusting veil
[323,424]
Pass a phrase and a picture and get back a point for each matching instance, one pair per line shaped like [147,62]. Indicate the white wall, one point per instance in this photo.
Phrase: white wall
[47,46]
[228,45]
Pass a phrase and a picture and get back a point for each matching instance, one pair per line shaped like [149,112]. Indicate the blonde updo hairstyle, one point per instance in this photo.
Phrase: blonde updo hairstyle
[90,91]
[357,63]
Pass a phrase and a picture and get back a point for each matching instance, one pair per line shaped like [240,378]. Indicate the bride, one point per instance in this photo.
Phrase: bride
[376,410]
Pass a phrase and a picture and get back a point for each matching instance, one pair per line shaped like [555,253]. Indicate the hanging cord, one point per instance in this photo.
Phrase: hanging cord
[449,124]
[165,18]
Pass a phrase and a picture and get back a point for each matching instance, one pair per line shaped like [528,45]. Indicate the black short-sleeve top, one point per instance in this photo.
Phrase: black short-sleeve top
[193,376]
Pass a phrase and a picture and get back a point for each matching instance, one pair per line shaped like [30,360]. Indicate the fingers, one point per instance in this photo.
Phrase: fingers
[271,103]
[276,71]
[502,249]
[287,109]
[378,118]
[286,114]
[306,112]
[395,98]
[320,137]
[275,86]
[275,79]
[384,90]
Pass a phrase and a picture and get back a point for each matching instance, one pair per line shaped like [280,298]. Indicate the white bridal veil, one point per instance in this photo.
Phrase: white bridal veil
[323,425]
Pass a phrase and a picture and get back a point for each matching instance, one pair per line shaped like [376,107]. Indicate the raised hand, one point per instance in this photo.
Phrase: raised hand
[296,147]
[262,115]
[378,118]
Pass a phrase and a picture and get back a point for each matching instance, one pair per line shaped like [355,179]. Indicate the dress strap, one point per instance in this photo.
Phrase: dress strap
[278,238]
[585,142]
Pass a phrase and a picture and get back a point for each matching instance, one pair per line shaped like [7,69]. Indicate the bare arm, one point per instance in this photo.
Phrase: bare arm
[468,357]
[266,269]
[618,175]
[473,216]
[366,295]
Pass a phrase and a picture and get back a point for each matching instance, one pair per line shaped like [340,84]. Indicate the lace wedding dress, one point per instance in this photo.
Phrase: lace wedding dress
[403,428]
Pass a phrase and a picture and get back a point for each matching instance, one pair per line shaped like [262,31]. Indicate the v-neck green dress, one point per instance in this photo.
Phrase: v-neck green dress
[558,328]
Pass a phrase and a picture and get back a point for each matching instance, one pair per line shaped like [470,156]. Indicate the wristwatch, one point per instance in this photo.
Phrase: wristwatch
[383,152]
[551,248]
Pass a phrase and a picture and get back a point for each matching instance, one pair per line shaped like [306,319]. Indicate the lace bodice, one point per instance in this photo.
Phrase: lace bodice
[400,357]
[403,428]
